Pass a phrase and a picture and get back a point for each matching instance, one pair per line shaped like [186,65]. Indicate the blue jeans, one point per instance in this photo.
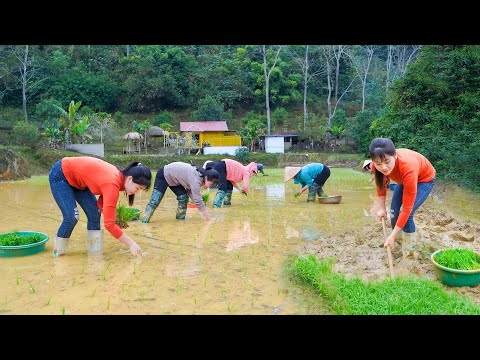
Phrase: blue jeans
[423,190]
[67,197]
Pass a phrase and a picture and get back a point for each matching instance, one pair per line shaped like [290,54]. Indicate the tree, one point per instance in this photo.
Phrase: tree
[73,126]
[361,59]
[28,68]
[210,109]
[267,80]
[331,53]
[251,133]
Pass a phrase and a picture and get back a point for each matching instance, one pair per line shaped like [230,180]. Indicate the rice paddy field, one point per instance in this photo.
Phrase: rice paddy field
[234,265]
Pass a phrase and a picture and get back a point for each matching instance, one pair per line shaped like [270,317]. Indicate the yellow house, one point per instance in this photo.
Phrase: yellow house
[215,133]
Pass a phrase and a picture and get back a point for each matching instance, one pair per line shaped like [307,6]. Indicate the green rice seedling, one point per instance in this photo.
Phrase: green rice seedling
[105,271]
[178,286]
[48,301]
[18,280]
[94,292]
[73,282]
[231,309]
[238,256]
[397,296]
[83,270]
[126,214]
[205,281]
[108,303]
[32,288]
[459,259]
[205,197]
[63,310]
[195,300]
[18,239]
[4,305]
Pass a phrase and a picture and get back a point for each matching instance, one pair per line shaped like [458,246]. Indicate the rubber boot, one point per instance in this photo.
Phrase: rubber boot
[60,245]
[228,198]
[95,241]
[182,207]
[152,205]
[219,198]
[408,244]
[320,191]
[312,192]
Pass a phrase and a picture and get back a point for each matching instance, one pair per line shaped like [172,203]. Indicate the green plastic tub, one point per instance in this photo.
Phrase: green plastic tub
[24,250]
[454,277]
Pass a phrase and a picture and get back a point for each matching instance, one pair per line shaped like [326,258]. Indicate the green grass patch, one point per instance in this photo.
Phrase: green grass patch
[18,239]
[397,296]
[459,259]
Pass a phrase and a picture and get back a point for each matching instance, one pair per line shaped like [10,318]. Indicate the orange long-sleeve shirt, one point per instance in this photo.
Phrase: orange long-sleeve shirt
[410,168]
[102,179]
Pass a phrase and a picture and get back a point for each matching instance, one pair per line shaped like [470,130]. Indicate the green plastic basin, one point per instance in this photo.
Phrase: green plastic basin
[454,277]
[24,250]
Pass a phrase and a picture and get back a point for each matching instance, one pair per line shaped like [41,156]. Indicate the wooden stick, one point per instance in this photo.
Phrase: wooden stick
[389,251]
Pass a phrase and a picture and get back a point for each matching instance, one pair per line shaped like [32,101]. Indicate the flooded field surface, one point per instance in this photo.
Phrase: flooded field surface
[233,265]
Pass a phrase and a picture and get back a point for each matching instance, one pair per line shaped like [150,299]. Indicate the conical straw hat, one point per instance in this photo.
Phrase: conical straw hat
[290,172]
[365,163]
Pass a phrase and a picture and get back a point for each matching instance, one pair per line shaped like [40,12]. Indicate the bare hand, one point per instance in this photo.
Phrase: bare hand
[382,213]
[135,249]
[389,241]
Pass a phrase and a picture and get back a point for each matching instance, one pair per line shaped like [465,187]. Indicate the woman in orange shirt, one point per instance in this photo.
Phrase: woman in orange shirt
[79,179]
[415,178]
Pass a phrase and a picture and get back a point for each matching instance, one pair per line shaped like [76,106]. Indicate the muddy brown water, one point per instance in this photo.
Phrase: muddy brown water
[230,266]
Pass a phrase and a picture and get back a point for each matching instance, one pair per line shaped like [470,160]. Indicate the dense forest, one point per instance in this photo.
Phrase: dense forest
[422,97]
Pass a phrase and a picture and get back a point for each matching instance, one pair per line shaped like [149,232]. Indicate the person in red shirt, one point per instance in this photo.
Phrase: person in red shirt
[415,178]
[77,180]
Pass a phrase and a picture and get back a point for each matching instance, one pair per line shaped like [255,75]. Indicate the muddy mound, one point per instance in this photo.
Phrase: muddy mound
[12,167]
[361,253]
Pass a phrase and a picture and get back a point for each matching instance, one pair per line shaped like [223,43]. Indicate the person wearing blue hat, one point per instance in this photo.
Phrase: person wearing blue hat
[232,172]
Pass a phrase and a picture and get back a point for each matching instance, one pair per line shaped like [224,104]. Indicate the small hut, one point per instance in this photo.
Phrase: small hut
[134,142]
[156,136]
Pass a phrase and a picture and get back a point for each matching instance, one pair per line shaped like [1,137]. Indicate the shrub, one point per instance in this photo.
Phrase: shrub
[243,155]
[25,134]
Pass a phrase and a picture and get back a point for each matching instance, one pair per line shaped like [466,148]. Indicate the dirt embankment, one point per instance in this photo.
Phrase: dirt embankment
[361,252]
[12,167]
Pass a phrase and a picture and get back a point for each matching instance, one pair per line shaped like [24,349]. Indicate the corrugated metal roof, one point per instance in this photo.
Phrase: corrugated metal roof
[201,126]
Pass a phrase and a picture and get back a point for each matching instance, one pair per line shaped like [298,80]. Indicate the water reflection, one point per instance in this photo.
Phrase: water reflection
[240,235]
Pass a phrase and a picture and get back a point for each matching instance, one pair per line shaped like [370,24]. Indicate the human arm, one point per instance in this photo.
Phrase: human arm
[206,215]
[302,190]
[390,240]
[134,247]
[108,200]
